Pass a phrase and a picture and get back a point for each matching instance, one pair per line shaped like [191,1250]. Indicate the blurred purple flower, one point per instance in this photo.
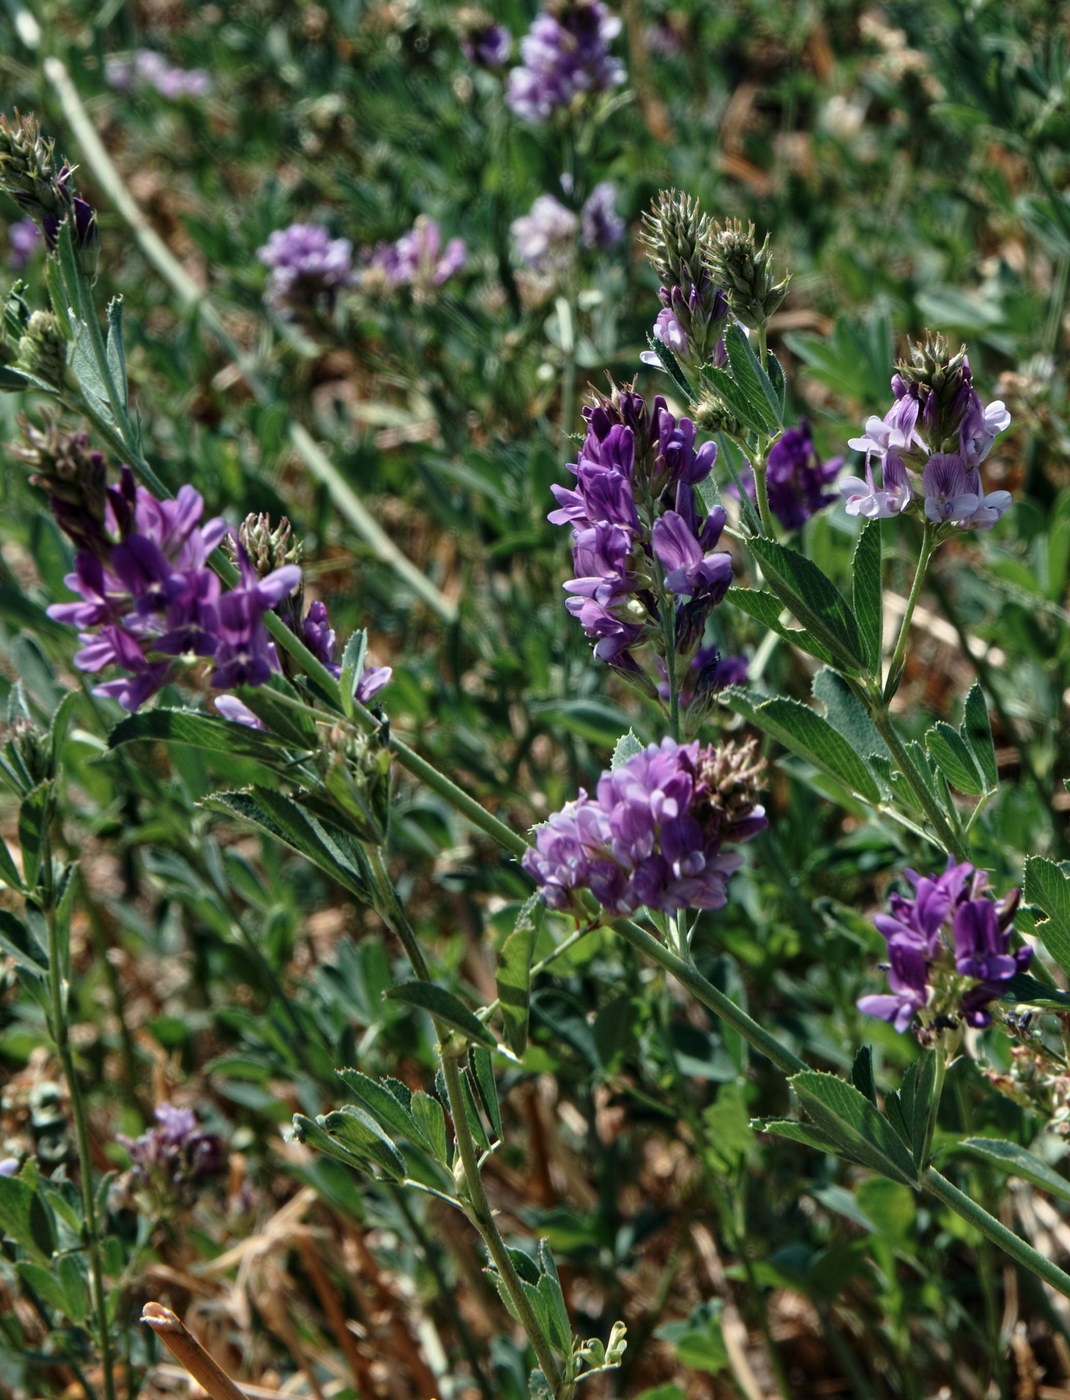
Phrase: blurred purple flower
[546,235]
[307,265]
[565,58]
[487,45]
[25,238]
[174,1156]
[153,70]
[601,227]
[417,259]
[653,833]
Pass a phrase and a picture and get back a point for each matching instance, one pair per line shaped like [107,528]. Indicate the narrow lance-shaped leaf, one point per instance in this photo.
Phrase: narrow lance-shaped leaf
[804,732]
[976,731]
[867,594]
[815,601]
[444,1006]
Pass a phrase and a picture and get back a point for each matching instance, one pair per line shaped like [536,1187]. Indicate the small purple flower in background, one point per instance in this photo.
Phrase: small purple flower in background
[318,635]
[796,477]
[170,1160]
[486,44]
[153,70]
[938,428]
[601,227]
[545,237]
[308,267]
[652,835]
[949,952]
[417,260]
[9,1166]
[565,58]
[25,239]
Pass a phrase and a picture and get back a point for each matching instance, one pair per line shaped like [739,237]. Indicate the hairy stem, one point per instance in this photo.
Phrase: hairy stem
[952,842]
[895,665]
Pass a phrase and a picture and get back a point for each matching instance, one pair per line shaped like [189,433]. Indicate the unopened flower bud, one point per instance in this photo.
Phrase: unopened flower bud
[356,772]
[26,757]
[43,349]
[745,270]
[941,383]
[75,477]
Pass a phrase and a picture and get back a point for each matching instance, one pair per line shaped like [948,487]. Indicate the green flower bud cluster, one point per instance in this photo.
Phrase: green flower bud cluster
[43,348]
[745,271]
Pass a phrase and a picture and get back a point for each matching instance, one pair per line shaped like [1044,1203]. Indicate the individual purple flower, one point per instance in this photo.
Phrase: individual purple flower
[947,491]
[308,266]
[862,496]
[689,567]
[230,707]
[949,952]
[318,635]
[9,1166]
[652,835]
[566,59]
[244,653]
[24,238]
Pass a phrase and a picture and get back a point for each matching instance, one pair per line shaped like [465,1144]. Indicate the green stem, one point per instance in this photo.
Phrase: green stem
[705,992]
[952,843]
[759,466]
[895,665]
[57,991]
[994,1230]
[482,1217]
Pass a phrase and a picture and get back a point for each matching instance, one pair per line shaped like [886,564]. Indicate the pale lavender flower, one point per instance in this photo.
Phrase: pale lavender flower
[152,69]
[566,59]
[653,833]
[9,1166]
[487,45]
[545,237]
[862,496]
[947,490]
[230,707]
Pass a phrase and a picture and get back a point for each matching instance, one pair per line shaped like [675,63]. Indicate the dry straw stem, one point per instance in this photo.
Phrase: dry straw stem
[185,1347]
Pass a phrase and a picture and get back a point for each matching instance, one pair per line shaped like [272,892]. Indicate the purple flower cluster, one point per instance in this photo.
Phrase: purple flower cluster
[949,951]
[151,69]
[172,1157]
[651,836]
[308,266]
[795,478]
[938,428]
[148,598]
[690,324]
[417,259]
[638,542]
[565,57]
[545,236]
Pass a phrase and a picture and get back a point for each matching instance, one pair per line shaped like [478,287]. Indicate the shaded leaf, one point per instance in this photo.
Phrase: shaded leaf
[953,758]
[26,1218]
[444,1006]
[1048,887]
[814,599]
[976,732]
[867,594]
[1017,1161]
[804,732]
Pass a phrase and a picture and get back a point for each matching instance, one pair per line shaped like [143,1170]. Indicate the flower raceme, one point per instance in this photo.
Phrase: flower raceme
[566,59]
[938,428]
[653,833]
[639,543]
[949,952]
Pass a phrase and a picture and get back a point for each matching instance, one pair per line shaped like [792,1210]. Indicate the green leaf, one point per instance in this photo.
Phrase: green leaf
[976,732]
[626,747]
[1046,886]
[556,1313]
[867,594]
[847,715]
[797,1132]
[333,851]
[476,1125]
[815,601]
[352,666]
[759,394]
[431,1121]
[361,1135]
[752,412]
[116,356]
[389,1113]
[26,1218]
[285,725]
[862,1074]
[514,975]
[951,755]
[35,819]
[1016,1161]
[482,1069]
[444,1006]
[1024,990]
[766,608]
[847,1118]
[804,732]
[18,942]
[211,733]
